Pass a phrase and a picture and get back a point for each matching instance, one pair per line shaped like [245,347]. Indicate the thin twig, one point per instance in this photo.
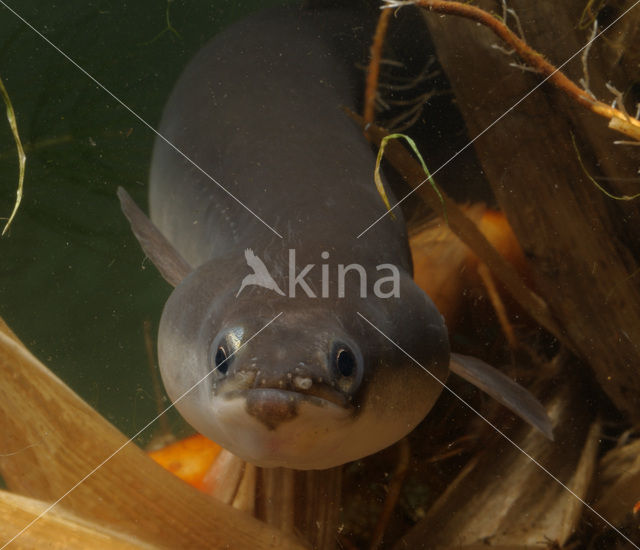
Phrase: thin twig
[589,13]
[523,67]
[393,493]
[618,99]
[506,11]
[498,305]
[373,71]
[505,51]
[618,120]
[584,81]
[410,83]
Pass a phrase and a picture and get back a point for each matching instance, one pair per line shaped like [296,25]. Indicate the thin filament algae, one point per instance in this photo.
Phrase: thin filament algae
[22,158]
[414,148]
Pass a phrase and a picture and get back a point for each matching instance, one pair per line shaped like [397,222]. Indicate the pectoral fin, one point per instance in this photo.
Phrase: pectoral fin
[171,265]
[502,389]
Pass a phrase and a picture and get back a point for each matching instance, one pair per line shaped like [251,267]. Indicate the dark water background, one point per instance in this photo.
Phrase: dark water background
[74,284]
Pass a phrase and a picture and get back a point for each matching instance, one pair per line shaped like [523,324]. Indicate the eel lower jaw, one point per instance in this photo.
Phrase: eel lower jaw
[274,407]
[273,428]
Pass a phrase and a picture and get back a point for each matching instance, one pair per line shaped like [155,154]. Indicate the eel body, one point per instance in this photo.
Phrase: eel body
[259,109]
[261,223]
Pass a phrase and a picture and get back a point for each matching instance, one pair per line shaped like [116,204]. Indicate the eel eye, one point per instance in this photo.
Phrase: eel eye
[221,360]
[222,351]
[347,367]
[345,362]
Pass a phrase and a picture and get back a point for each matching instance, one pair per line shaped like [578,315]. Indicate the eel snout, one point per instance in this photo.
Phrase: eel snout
[274,384]
[273,400]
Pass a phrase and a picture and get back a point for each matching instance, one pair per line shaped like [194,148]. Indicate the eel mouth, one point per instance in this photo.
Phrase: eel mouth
[275,406]
[318,394]
[293,388]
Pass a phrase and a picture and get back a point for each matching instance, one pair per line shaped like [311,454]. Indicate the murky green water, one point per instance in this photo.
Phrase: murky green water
[74,285]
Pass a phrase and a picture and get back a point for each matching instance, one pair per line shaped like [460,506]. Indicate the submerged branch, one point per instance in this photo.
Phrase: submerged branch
[373,70]
[618,120]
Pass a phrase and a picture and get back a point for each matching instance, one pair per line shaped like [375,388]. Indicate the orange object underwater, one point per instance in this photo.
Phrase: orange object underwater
[189,459]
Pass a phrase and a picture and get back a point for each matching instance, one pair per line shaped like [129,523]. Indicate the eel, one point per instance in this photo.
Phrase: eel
[288,340]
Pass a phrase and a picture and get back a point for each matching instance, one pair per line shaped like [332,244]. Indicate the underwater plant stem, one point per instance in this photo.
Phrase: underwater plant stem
[22,158]
[373,70]
[498,305]
[414,148]
[393,492]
